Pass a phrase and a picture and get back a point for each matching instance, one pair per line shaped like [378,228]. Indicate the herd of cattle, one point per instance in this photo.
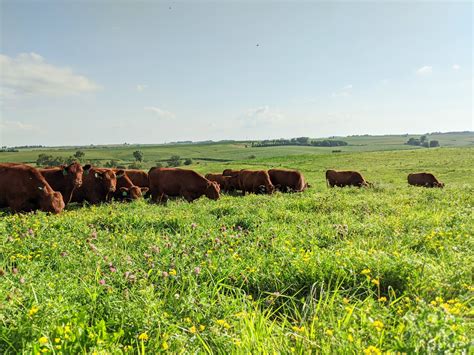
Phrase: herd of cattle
[24,188]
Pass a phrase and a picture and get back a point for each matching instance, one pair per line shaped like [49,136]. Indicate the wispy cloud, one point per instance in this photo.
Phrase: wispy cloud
[456,67]
[159,112]
[17,126]
[425,70]
[260,116]
[344,92]
[141,87]
[30,74]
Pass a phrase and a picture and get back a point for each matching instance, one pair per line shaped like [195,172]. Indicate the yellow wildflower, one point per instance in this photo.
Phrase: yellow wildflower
[58,347]
[223,323]
[298,329]
[350,338]
[173,272]
[57,340]
[365,272]
[378,325]
[43,340]
[143,337]
[329,332]
[383,299]
[202,327]
[372,350]
[376,282]
[193,330]
[345,300]
[33,311]
[165,346]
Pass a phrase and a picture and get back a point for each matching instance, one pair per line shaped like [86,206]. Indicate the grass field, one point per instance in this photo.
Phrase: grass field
[236,151]
[325,271]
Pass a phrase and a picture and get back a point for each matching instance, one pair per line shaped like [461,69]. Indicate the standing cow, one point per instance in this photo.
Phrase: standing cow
[24,189]
[345,178]
[287,180]
[98,185]
[176,182]
[65,179]
[424,179]
[255,182]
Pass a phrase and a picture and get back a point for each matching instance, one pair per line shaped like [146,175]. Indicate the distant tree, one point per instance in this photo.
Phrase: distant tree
[79,155]
[135,165]
[413,141]
[252,156]
[112,164]
[138,155]
[49,160]
[423,138]
[188,161]
[434,143]
[174,161]
[425,144]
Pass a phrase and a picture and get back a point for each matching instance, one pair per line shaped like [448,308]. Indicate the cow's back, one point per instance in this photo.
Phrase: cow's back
[287,179]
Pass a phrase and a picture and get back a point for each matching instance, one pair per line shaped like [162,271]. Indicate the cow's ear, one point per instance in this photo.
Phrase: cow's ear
[119,173]
[144,189]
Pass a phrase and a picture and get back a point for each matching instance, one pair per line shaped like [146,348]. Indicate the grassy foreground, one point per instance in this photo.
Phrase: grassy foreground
[341,270]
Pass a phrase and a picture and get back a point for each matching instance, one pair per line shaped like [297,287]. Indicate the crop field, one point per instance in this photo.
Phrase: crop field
[342,270]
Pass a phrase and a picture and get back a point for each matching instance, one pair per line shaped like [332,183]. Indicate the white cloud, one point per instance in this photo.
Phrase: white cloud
[17,126]
[160,113]
[30,74]
[456,67]
[141,87]
[344,92]
[260,116]
[425,70]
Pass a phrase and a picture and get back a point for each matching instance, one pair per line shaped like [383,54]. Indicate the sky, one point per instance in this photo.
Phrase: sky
[110,72]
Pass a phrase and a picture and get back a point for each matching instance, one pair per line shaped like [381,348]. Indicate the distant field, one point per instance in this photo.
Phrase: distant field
[233,151]
[352,271]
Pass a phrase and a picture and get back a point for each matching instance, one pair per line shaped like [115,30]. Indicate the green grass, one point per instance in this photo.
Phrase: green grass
[324,271]
[237,151]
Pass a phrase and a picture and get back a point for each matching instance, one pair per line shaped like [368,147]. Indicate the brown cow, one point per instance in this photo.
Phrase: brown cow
[255,181]
[345,178]
[65,178]
[230,172]
[24,189]
[287,180]
[189,184]
[424,179]
[138,177]
[98,185]
[226,183]
[126,190]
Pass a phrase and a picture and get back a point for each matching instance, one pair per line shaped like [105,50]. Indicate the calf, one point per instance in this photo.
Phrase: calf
[65,179]
[255,182]
[424,179]
[24,189]
[189,184]
[126,190]
[345,178]
[287,180]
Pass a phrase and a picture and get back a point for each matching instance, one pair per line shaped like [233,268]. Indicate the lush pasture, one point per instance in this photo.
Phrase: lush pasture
[236,151]
[329,270]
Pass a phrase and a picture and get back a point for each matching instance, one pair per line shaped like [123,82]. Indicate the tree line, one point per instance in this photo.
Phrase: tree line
[302,141]
[423,141]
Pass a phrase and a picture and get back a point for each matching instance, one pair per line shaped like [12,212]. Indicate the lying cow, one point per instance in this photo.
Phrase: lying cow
[177,182]
[98,185]
[287,180]
[345,178]
[255,182]
[125,189]
[24,189]
[424,179]
[65,179]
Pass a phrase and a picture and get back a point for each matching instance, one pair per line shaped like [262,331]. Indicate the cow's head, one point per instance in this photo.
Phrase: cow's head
[439,184]
[107,178]
[133,192]
[73,173]
[270,188]
[212,190]
[50,201]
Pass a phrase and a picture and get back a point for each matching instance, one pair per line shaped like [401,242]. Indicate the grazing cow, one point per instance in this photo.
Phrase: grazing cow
[226,183]
[24,189]
[65,179]
[189,184]
[287,180]
[345,178]
[98,185]
[230,172]
[255,182]
[424,179]
[126,190]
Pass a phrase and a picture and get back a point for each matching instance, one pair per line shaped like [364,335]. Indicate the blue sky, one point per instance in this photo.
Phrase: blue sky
[100,72]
